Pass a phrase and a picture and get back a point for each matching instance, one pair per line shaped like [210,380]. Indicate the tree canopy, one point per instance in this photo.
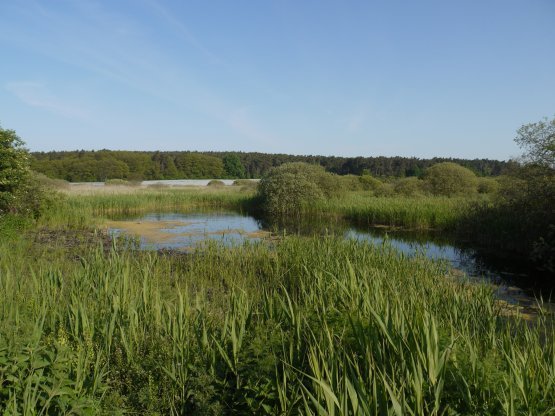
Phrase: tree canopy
[14,168]
[538,142]
[77,166]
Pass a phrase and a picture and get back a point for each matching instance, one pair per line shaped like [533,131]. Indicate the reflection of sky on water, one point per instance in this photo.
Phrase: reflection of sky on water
[228,228]
[234,228]
[459,259]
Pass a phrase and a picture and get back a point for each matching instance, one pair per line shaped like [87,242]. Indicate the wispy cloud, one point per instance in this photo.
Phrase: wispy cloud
[35,94]
[182,30]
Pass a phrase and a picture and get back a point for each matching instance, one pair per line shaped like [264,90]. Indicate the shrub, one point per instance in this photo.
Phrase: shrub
[374,185]
[14,170]
[248,183]
[286,188]
[50,183]
[216,182]
[116,182]
[411,186]
[450,179]
[488,185]
[350,182]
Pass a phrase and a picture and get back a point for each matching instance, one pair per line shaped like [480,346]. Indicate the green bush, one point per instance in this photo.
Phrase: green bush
[22,192]
[488,185]
[287,187]
[369,183]
[350,182]
[246,183]
[116,182]
[14,171]
[50,183]
[450,179]
[411,186]
[216,182]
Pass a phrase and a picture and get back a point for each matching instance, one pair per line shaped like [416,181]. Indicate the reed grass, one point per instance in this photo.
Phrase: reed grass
[304,326]
[84,208]
[439,213]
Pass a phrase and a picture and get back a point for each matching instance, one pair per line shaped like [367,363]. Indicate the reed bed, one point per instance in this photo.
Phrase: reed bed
[84,209]
[304,326]
[439,213]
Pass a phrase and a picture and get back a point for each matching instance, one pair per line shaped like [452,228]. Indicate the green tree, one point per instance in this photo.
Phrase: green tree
[538,142]
[233,166]
[14,169]
[450,179]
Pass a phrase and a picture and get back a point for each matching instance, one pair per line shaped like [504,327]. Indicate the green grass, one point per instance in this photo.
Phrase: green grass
[84,209]
[311,326]
[300,326]
[439,213]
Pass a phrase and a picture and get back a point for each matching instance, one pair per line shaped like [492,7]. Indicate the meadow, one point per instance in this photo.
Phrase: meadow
[301,325]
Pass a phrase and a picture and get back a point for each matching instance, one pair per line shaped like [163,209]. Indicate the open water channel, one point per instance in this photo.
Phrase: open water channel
[185,231]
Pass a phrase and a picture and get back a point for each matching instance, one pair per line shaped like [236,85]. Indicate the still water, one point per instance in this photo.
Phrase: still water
[184,231]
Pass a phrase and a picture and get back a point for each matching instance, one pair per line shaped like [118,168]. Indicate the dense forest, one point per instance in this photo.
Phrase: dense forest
[84,166]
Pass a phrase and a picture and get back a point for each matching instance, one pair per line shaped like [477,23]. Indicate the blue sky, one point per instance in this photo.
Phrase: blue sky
[409,78]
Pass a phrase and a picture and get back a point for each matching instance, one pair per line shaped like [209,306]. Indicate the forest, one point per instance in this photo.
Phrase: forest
[90,166]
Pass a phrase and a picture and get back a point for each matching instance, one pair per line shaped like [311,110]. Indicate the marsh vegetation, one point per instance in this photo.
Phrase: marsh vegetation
[303,324]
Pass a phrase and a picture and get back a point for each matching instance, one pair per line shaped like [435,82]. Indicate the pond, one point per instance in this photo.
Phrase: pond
[185,231]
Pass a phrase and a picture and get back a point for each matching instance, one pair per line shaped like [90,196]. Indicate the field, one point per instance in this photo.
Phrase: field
[295,326]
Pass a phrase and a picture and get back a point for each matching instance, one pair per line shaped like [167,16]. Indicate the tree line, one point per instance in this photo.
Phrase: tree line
[85,166]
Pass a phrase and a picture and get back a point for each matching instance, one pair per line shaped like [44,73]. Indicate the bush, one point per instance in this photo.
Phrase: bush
[450,179]
[50,183]
[374,185]
[116,182]
[14,171]
[216,183]
[286,188]
[488,185]
[248,183]
[411,186]
[350,182]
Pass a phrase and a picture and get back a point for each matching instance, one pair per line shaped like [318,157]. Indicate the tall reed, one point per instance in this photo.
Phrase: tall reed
[306,325]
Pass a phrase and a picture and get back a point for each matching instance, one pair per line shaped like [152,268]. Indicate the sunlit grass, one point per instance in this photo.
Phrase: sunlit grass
[312,326]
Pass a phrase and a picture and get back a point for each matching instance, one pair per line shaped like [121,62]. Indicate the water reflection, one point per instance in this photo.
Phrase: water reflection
[183,231]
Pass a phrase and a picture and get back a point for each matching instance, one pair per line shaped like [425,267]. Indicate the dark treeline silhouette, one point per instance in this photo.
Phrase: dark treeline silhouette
[83,166]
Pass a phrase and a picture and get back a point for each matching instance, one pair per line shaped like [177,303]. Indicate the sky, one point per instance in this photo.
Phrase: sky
[322,77]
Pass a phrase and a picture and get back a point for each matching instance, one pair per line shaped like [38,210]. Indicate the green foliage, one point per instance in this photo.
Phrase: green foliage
[50,183]
[450,179]
[216,182]
[411,186]
[233,166]
[14,171]
[350,182]
[169,165]
[285,189]
[116,182]
[369,183]
[303,326]
[488,185]
[197,165]
[538,141]
[527,200]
